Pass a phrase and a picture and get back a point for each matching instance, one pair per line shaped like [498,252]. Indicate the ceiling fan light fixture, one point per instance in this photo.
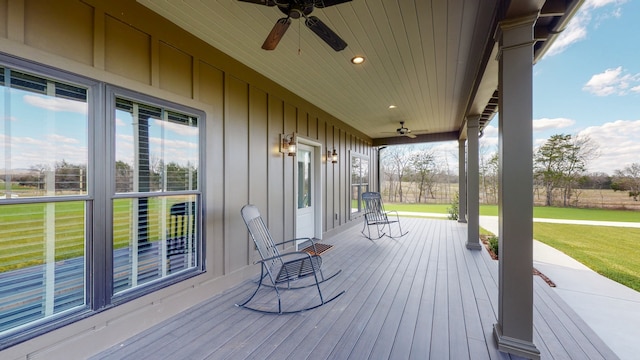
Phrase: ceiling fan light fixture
[357,60]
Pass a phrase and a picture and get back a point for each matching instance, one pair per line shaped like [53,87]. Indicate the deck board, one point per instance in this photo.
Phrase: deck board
[420,296]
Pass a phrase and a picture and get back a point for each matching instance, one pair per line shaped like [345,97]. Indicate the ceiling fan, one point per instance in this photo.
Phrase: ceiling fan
[294,9]
[404,131]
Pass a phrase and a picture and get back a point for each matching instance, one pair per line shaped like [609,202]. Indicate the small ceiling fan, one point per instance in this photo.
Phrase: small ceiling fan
[404,131]
[294,9]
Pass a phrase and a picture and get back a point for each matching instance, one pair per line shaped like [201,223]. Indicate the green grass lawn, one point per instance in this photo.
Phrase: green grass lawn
[426,208]
[610,251]
[24,229]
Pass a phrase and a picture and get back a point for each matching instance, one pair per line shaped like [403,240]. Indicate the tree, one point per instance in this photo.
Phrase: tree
[70,177]
[561,162]
[124,177]
[489,176]
[396,163]
[423,166]
[628,179]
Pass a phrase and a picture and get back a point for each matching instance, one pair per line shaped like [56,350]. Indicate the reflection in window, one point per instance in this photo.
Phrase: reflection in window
[359,181]
[157,151]
[43,140]
[43,154]
[42,262]
[160,244]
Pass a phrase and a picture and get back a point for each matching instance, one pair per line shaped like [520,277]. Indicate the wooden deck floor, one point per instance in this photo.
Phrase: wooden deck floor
[423,296]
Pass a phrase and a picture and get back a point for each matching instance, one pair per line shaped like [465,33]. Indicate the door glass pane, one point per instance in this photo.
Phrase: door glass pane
[304,179]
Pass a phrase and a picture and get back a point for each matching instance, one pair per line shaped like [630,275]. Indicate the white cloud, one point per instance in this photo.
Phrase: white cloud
[612,81]
[56,104]
[489,139]
[490,131]
[619,143]
[28,151]
[556,123]
[593,4]
[59,139]
[576,30]
[177,128]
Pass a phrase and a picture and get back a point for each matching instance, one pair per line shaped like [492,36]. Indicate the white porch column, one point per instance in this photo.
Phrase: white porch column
[462,182]
[514,330]
[473,193]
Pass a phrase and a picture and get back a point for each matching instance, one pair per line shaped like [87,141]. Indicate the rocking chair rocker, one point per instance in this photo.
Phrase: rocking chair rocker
[281,271]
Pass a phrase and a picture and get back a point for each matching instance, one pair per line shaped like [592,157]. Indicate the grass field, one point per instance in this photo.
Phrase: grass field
[610,251]
[25,229]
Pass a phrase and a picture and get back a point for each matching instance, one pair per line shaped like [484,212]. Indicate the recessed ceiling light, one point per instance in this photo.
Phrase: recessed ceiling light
[357,59]
[392,106]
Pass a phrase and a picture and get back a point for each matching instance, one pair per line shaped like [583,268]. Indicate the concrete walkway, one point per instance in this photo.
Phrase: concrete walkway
[612,310]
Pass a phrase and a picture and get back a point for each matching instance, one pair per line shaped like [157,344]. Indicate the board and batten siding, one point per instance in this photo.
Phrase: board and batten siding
[123,43]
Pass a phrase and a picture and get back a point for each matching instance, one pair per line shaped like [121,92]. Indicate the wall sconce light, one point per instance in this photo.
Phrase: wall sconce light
[288,144]
[333,156]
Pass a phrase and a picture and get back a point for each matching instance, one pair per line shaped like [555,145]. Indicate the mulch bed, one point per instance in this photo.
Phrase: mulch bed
[485,241]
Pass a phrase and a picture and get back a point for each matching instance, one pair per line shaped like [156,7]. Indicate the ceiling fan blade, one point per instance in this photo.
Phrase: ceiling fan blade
[410,135]
[326,34]
[327,3]
[261,2]
[276,33]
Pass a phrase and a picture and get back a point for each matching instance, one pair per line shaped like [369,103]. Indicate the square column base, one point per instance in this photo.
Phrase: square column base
[473,246]
[514,346]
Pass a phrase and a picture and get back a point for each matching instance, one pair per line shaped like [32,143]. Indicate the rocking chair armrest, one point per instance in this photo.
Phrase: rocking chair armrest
[298,253]
[296,239]
[392,211]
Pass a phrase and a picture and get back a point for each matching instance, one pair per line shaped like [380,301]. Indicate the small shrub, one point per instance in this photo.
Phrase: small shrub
[453,210]
[493,244]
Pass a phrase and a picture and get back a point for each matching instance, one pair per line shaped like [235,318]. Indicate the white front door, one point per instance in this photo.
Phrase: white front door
[305,192]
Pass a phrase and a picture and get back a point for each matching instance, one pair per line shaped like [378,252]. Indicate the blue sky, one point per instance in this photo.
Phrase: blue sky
[588,84]
[43,130]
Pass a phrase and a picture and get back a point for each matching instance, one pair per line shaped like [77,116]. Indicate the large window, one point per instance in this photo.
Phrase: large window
[156,200]
[96,206]
[359,181]
[43,197]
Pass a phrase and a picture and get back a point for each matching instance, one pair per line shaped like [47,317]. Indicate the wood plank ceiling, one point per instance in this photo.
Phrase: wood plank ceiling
[422,56]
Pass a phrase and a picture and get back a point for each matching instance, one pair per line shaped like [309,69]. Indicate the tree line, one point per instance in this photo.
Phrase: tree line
[417,174]
[67,177]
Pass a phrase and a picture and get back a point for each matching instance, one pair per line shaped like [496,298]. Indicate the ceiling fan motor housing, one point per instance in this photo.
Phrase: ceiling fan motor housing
[296,9]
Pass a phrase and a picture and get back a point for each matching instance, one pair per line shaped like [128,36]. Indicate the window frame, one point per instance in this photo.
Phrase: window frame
[94,88]
[113,92]
[98,199]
